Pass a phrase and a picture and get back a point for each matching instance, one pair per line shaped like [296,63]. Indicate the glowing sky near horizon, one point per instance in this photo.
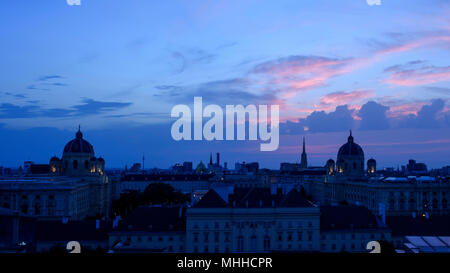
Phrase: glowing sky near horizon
[122,65]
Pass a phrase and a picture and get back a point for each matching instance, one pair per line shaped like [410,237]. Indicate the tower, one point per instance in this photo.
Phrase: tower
[304,160]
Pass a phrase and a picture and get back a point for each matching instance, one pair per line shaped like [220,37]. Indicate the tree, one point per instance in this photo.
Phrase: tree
[161,193]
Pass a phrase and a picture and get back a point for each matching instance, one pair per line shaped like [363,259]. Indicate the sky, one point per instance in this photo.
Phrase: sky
[118,67]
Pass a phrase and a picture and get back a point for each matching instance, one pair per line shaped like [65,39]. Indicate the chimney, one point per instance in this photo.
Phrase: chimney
[218,159]
[97,224]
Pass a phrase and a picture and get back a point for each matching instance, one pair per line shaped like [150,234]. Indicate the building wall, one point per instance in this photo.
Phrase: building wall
[163,241]
[252,229]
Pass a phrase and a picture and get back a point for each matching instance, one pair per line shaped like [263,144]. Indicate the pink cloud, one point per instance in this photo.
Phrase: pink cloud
[420,76]
[337,98]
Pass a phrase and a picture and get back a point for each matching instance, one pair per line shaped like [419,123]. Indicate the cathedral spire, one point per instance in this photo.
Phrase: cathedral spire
[304,160]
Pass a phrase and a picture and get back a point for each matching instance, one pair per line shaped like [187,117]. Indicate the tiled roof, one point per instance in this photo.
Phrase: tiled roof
[211,200]
[154,219]
[254,198]
[71,231]
[347,217]
[435,225]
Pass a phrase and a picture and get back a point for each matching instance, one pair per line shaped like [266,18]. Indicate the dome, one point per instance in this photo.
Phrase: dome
[350,148]
[371,161]
[78,145]
[330,161]
[54,158]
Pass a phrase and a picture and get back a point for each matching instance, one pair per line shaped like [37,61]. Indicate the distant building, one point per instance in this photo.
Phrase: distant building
[350,228]
[74,186]
[244,168]
[415,168]
[420,233]
[253,220]
[91,234]
[150,229]
[17,231]
[186,183]
[382,195]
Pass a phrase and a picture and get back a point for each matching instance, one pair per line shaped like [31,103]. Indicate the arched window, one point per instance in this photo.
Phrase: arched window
[66,164]
[425,203]
[444,203]
[253,242]
[402,204]
[240,243]
[75,164]
[86,165]
[391,204]
[435,203]
[266,242]
[412,204]
[354,166]
[24,208]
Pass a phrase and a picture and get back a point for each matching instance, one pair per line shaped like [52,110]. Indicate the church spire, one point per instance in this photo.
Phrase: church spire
[304,159]
[350,138]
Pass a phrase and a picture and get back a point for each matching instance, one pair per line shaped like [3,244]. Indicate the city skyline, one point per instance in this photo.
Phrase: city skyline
[331,68]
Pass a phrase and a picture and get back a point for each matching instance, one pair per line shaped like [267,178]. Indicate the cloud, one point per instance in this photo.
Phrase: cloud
[373,116]
[342,97]
[416,73]
[297,73]
[92,107]
[187,57]
[231,91]
[50,77]
[87,107]
[427,117]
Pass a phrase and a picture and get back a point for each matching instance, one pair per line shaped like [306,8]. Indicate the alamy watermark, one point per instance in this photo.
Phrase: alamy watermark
[73,2]
[373,2]
[235,116]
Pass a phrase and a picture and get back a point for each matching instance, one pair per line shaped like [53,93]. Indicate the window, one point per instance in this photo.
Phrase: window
[435,203]
[253,242]
[444,203]
[300,236]
[280,236]
[24,208]
[289,238]
[196,237]
[266,242]
[86,164]
[75,164]
[205,236]
[216,237]
[240,244]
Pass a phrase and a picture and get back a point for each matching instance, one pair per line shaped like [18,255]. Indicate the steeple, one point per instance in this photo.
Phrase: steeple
[79,134]
[304,160]
[210,159]
[350,138]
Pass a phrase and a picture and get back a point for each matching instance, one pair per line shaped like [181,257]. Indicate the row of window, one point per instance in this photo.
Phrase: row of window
[289,224]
